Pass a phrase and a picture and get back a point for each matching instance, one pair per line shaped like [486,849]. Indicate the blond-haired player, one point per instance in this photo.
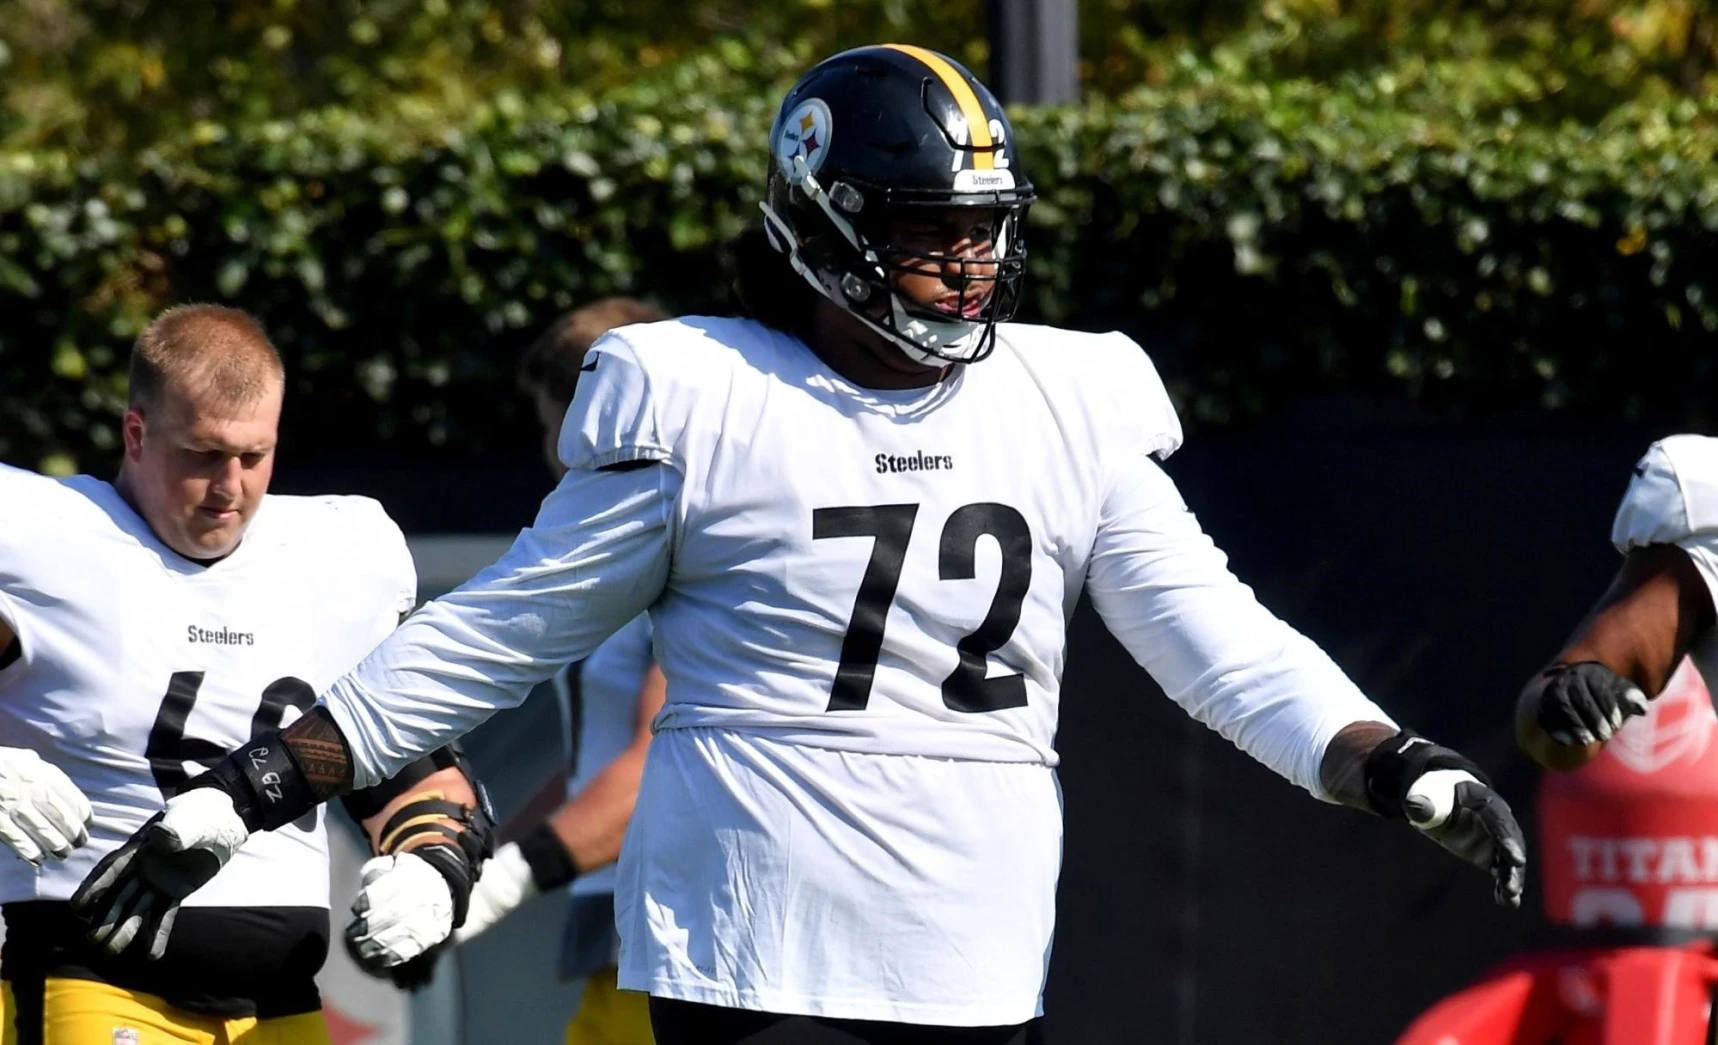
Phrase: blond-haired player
[148,625]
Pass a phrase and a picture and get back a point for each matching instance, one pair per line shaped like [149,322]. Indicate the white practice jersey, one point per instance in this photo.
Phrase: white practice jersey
[860,601]
[607,717]
[137,664]
[1673,499]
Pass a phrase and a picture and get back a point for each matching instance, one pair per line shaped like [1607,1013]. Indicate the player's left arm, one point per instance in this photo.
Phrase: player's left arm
[585,833]
[1658,606]
[436,810]
[1165,590]
[592,824]
[1620,656]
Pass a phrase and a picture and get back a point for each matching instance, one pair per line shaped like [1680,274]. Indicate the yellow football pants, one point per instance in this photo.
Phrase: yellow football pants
[83,1012]
[607,1015]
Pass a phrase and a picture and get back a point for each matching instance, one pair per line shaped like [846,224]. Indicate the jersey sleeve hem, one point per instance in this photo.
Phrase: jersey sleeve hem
[1670,498]
[404,571]
[1700,548]
[364,774]
[627,455]
[1325,733]
[13,619]
[614,417]
[1146,407]
[396,568]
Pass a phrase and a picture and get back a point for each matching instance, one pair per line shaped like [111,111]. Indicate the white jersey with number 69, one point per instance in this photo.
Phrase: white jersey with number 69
[860,600]
[138,667]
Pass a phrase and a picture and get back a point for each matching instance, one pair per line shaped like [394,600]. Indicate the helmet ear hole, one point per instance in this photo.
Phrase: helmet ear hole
[856,289]
[847,197]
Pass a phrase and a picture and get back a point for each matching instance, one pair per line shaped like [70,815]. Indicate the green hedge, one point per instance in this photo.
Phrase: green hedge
[1264,241]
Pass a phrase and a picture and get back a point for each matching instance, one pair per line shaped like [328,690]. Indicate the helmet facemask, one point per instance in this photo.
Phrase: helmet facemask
[839,241]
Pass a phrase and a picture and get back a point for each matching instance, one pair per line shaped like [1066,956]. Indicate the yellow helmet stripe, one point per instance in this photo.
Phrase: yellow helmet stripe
[977,123]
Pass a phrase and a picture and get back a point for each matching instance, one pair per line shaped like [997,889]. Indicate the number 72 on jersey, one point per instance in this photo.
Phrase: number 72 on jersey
[890,527]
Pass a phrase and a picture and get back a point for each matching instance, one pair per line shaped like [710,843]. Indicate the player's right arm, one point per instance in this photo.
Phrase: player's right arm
[596,557]
[43,815]
[1659,604]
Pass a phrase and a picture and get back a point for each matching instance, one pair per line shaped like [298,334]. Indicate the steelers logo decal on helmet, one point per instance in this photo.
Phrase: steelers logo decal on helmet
[805,132]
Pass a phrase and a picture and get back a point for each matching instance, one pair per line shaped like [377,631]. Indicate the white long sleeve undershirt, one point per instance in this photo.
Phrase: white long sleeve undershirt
[598,555]
[595,558]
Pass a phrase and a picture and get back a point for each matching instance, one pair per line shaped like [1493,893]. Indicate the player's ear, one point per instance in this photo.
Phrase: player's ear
[131,429]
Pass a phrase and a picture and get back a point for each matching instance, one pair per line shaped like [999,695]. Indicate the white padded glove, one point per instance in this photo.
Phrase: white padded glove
[403,909]
[42,813]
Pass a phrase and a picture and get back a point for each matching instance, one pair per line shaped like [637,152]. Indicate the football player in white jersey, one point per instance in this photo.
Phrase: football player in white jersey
[608,701]
[1658,609]
[860,522]
[148,626]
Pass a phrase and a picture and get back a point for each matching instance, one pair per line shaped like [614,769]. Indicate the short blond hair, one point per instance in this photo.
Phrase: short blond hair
[210,350]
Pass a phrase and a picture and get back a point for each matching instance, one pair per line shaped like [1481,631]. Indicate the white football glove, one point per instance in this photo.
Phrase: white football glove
[135,891]
[403,909]
[507,882]
[42,813]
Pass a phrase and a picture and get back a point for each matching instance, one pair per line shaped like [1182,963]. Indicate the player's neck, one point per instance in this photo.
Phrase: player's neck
[863,356]
[127,491]
[122,484]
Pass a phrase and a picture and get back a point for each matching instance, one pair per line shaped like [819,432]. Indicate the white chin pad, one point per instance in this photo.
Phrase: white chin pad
[931,341]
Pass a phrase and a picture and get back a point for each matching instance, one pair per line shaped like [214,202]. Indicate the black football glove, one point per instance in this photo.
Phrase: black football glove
[134,892]
[1586,703]
[1449,799]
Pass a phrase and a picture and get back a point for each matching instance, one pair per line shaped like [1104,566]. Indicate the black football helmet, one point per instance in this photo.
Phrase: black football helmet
[865,139]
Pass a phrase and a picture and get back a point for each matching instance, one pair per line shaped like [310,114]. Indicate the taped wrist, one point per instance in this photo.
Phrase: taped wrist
[456,850]
[551,864]
[267,787]
[472,829]
[1393,766]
